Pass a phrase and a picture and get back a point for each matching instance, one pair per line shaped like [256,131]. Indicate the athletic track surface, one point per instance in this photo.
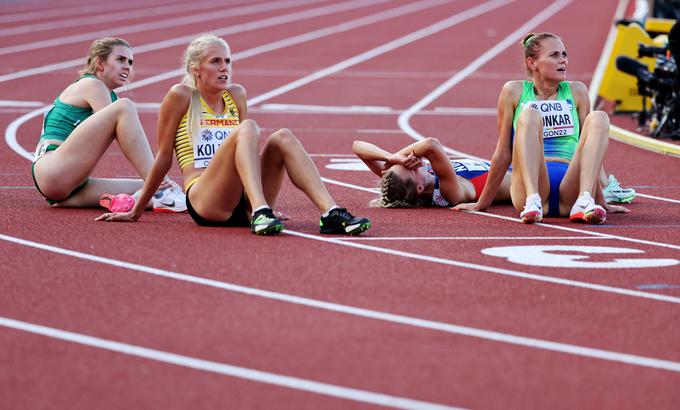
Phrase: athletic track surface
[431,309]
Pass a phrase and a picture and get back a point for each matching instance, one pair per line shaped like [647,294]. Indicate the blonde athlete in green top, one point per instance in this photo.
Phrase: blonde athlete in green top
[85,118]
[532,114]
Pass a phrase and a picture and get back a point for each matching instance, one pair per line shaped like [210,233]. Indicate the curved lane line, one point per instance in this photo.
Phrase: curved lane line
[515,36]
[10,132]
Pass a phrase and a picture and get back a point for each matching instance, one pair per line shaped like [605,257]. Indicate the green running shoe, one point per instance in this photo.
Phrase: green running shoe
[264,222]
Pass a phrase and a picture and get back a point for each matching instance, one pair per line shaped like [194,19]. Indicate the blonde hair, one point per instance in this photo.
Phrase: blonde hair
[532,46]
[192,58]
[398,193]
[100,51]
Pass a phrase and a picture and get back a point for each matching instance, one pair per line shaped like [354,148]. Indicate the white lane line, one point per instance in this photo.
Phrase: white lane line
[347,185]
[260,376]
[348,110]
[491,269]
[11,130]
[15,103]
[147,12]
[489,335]
[658,198]
[587,232]
[184,40]
[405,118]
[61,11]
[352,109]
[465,238]
[550,226]
[309,36]
[217,14]
[392,45]
[596,81]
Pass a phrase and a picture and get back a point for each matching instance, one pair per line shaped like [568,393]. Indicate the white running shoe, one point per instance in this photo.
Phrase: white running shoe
[615,193]
[170,200]
[533,210]
[586,210]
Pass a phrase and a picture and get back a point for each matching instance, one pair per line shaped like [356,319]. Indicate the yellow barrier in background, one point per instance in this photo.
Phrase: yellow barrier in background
[616,85]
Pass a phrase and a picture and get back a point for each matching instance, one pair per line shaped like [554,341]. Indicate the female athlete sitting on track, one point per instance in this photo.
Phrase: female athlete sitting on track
[85,118]
[406,182]
[226,180]
[555,144]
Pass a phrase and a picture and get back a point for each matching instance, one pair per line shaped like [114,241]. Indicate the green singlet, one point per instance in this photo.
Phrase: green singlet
[561,128]
[62,118]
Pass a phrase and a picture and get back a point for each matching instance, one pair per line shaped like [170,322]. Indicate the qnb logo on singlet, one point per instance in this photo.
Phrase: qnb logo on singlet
[462,166]
[557,118]
[214,131]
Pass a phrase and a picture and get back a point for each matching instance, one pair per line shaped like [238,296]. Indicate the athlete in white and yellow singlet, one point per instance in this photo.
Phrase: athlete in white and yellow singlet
[227,181]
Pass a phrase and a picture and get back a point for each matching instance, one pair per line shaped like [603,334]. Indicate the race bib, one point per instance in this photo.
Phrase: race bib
[557,118]
[470,165]
[214,132]
[40,150]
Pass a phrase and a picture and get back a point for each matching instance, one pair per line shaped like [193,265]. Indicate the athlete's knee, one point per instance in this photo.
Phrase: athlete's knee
[529,116]
[52,187]
[285,137]
[124,107]
[124,104]
[248,130]
[249,126]
[597,120]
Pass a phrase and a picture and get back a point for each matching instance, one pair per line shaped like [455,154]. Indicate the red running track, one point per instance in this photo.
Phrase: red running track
[419,313]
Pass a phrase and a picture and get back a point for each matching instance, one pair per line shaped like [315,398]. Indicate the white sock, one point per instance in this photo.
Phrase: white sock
[325,214]
[260,208]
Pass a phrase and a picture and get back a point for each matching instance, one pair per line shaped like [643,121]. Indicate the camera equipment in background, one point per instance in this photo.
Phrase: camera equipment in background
[662,86]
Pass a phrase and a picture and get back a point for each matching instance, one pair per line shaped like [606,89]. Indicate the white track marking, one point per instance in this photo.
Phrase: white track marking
[106,18]
[61,11]
[13,103]
[373,314]
[154,25]
[658,198]
[323,109]
[587,232]
[11,130]
[302,38]
[360,188]
[550,226]
[466,238]
[177,41]
[477,111]
[392,45]
[491,269]
[405,118]
[596,81]
[343,110]
[260,376]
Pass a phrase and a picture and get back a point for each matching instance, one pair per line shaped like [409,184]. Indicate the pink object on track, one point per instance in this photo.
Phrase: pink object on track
[117,203]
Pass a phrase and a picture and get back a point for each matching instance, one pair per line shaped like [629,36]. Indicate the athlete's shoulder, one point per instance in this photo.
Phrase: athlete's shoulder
[578,87]
[177,99]
[237,92]
[513,86]
[580,93]
[510,94]
[512,89]
[180,90]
